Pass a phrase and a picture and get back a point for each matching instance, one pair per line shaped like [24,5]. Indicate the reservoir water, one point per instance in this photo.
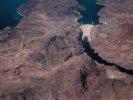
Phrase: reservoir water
[90,13]
[10,17]
[8,13]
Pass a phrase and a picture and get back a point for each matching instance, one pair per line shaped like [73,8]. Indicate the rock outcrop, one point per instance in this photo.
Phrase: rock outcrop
[113,39]
[43,59]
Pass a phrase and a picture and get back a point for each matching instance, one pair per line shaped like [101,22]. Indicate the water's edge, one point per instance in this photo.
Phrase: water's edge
[9,14]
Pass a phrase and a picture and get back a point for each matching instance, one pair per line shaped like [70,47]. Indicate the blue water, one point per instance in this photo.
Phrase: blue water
[8,13]
[10,17]
[90,13]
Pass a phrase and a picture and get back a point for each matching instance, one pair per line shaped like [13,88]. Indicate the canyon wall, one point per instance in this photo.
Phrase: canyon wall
[42,58]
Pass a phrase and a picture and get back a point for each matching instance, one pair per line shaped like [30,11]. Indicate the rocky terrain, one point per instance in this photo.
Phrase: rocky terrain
[113,40]
[43,57]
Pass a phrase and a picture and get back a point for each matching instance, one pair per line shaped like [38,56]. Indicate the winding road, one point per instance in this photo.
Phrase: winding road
[22,45]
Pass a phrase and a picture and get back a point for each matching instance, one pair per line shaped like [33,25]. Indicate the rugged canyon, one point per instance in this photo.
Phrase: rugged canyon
[45,57]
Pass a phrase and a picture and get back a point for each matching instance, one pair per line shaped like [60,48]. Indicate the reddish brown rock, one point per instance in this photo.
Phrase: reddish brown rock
[113,39]
[43,58]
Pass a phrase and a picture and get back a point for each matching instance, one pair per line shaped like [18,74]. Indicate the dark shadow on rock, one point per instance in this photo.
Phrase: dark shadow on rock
[27,94]
[90,52]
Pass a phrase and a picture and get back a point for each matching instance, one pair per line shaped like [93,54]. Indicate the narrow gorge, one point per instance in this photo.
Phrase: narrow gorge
[88,20]
[48,55]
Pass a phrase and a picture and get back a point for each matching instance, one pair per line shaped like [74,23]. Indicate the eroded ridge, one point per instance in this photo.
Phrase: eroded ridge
[52,65]
[91,52]
[112,39]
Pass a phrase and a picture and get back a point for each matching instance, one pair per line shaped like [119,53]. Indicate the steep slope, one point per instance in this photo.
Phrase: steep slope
[43,59]
[113,39]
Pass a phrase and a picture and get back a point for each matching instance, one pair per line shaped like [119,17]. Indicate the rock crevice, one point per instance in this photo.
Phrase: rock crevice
[95,56]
